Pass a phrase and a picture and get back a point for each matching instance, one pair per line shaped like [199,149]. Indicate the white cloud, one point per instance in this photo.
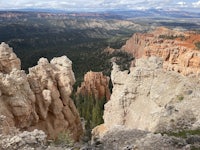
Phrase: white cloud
[98,4]
[196,4]
[182,4]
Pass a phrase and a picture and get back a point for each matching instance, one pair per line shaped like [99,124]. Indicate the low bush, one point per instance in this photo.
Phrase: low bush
[197,44]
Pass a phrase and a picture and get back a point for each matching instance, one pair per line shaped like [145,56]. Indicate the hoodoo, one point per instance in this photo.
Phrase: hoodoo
[41,99]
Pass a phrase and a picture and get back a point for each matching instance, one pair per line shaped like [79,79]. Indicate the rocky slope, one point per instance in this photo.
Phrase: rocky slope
[95,84]
[21,140]
[177,49]
[41,99]
[120,138]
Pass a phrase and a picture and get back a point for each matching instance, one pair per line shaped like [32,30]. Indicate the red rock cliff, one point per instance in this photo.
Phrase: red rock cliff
[177,49]
[96,84]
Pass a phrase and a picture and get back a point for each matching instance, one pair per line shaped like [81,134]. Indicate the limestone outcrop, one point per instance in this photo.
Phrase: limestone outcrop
[8,59]
[152,99]
[41,99]
[176,48]
[52,86]
[95,84]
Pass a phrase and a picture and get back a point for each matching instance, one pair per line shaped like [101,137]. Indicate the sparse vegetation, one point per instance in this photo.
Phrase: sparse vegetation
[91,110]
[197,44]
[172,37]
[191,136]
[184,133]
[64,138]
[180,97]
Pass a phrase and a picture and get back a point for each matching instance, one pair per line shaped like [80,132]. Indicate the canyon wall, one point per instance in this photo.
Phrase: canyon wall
[41,99]
[176,48]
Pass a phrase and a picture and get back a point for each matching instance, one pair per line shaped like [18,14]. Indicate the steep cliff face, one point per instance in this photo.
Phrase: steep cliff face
[152,99]
[176,48]
[95,84]
[40,99]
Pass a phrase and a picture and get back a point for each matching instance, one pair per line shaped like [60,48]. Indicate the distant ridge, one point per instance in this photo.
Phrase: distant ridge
[148,13]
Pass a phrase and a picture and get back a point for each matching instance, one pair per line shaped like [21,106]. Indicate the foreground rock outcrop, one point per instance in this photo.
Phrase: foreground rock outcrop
[41,99]
[176,48]
[95,84]
[52,86]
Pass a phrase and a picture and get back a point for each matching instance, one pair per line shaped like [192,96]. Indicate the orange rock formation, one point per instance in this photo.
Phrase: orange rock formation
[95,84]
[177,49]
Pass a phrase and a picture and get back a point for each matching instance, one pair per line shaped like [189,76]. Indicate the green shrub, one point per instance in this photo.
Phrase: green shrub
[184,133]
[197,44]
[64,138]
[180,97]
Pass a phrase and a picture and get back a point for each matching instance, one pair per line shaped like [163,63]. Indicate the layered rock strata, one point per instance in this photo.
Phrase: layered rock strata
[41,99]
[95,84]
[176,48]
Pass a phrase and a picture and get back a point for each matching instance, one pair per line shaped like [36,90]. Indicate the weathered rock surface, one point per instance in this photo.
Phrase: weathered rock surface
[95,84]
[8,59]
[41,99]
[24,141]
[179,53]
[120,138]
[16,139]
[17,101]
[52,86]
[152,99]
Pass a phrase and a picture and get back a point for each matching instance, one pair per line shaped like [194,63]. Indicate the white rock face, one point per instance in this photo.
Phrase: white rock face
[149,98]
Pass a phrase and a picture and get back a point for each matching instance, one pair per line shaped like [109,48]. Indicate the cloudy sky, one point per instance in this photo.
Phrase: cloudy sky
[100,4]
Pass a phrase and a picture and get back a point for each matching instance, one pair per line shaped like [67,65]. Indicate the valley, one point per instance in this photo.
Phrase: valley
[92,78]
[80,36]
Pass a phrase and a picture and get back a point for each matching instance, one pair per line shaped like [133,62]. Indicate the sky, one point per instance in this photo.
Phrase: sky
[101,4]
